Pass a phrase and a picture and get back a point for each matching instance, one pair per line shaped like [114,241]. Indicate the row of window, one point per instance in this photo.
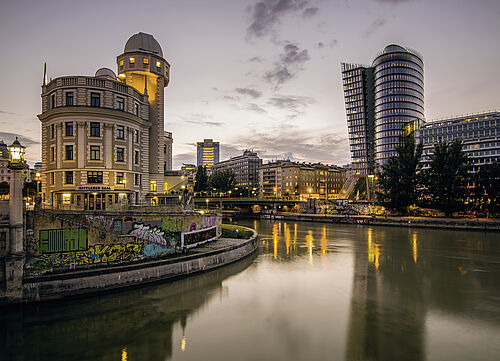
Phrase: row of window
[95,153]
[94,177]
[95,131]
[95,101]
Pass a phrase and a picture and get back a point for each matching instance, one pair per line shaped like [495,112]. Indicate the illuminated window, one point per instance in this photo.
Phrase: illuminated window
[145,61]
[66,198]
[152,187]
[121,62]
[131,60]
[158,64]
[119,178]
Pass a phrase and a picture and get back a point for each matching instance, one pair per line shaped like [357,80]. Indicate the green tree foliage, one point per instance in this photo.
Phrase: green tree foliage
[4,188]
[399,179]
[223,181]
[446,180]
[201,181]
[488,186]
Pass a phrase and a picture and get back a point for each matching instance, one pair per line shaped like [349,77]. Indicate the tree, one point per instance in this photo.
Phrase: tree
[399,179]
[201,181]
[29,189]
[446,180]
[223,181]
[488,186]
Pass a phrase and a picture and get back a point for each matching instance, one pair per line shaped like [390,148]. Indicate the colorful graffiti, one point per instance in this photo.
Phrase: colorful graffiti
[171,225]
[63,240]
[152,249]
[191,239]
[206,222]
[100,253]
[155,235]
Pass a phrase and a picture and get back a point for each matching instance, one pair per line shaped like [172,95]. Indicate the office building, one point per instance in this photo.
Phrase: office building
[293,180]
[207,153]
[246,169]
[480,135]
[381,100]
[103,136]
[167,151]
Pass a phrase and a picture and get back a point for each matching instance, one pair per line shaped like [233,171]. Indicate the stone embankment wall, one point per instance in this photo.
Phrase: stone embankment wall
[68,240]
[443,223]
[47,287]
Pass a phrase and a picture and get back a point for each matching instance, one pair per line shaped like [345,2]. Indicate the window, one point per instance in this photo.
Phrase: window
[119,178]
[120,103]
[145,61]
[120,132]
[131,61]
[95,152]
[52,131]
[95,129]
[158,64]
[53,101]
[52,154]
[121,62]
[69,152]
[69,177]
[137,180]
[136,136]
[136,109]
[95,100]
[69,99]
[152,187]
[52,178]
[69,129]
[136,157]
[119,154]
[94,177]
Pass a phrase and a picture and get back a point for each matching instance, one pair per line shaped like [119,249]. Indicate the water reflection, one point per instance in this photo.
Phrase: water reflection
[129,325]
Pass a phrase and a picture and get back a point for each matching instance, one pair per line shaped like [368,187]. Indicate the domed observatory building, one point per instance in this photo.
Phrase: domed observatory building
[103,135]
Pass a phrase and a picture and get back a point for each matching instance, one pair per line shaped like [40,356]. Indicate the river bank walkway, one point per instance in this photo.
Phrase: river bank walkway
[443,223]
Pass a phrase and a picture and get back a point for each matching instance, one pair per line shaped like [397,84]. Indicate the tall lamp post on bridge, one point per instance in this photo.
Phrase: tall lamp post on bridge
[15,257]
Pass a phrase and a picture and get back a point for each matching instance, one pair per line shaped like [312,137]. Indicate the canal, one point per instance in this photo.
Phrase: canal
[313,292]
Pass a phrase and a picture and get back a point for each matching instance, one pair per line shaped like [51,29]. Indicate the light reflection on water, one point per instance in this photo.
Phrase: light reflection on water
[315,292]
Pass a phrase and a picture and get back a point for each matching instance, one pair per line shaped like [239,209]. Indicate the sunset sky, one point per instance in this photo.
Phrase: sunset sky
[262,75]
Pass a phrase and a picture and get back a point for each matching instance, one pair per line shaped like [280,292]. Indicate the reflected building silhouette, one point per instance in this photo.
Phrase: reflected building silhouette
[131,325]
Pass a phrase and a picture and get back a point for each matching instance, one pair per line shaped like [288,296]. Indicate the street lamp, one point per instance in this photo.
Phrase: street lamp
[206,200]
[16,155]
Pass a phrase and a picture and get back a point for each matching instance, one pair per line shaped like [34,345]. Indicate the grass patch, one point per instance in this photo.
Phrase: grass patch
[234,231]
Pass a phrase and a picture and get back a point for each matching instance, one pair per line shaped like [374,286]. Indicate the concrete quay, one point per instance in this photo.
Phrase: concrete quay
[423,222]
[104,279]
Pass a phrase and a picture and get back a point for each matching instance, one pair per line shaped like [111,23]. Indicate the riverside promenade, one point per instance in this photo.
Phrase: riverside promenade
[105,278]
[423,222]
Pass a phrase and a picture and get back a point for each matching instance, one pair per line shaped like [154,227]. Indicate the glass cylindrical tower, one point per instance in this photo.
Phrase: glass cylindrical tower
[399,97]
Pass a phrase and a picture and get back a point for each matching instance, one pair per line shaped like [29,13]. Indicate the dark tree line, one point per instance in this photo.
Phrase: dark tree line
[447,184]
[222,181]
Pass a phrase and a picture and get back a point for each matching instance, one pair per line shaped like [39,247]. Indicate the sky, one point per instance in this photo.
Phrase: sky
[262,75]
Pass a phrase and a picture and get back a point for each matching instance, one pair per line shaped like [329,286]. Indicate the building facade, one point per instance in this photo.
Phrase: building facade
[167,151]
[381,100]
[103,135]
[207,153]
[480,135]
[246,169]
[292,180]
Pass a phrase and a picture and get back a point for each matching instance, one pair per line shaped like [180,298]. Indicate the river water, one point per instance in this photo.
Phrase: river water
[313,292]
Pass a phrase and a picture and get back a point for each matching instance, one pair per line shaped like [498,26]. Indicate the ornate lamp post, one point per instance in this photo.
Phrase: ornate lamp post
[14,260]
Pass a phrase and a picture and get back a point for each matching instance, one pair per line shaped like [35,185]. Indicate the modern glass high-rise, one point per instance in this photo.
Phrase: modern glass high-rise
[381,100]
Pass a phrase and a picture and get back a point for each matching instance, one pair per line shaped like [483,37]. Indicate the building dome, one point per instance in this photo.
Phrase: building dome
[105,73]
[393,48]
[143,42]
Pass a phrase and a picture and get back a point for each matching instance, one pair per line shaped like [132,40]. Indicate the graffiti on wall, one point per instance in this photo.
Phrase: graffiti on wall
[100,253]
[200,236]
[171,225]
[63,240]
[155,235]
[100,222]
[206,222]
